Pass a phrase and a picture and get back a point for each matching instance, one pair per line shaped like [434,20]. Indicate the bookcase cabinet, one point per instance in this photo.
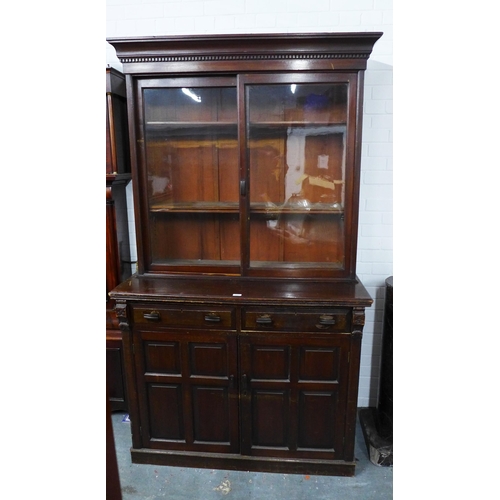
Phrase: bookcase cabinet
[242,327]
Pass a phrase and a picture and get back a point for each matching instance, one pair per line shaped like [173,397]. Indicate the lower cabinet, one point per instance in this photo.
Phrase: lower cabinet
[289,394]
[236,385]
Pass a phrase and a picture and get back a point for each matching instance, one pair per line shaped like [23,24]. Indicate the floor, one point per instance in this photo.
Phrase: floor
[152,482]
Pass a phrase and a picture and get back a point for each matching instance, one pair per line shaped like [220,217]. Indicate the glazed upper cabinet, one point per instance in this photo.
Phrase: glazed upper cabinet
[282,208]
[248,153]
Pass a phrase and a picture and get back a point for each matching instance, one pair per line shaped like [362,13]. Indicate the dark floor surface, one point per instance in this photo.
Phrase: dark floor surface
[152,482]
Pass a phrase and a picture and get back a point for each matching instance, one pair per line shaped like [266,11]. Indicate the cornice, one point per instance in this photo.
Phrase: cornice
[256,47]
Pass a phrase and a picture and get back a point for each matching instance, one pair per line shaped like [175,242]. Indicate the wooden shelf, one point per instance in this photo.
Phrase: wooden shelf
[315,208]
[197,207]
[298,123]
[233,207]
[192,130]
[188,124]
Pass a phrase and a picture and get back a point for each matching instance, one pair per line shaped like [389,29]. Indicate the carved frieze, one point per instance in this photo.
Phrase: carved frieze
[237,57]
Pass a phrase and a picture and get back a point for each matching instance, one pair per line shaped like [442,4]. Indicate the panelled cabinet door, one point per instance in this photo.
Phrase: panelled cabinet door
[190,398]
[293,395]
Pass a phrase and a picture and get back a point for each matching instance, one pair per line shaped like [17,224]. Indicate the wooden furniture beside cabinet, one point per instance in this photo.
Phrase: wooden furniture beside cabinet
[242,328]
[118,266]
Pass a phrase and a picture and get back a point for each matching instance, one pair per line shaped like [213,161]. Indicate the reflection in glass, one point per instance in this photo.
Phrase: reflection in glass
[296,154]
[191,94]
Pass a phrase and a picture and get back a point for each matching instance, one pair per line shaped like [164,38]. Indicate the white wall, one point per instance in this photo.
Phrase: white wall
[169,17]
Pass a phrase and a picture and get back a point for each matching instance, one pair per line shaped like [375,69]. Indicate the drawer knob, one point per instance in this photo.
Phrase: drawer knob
[264,320]
[152,316]
[212,318]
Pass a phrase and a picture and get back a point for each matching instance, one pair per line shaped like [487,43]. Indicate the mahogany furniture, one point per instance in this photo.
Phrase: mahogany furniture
[118,266]
[242,328]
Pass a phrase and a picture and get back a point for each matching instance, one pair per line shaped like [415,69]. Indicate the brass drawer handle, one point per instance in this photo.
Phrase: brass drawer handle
[264,320]
[326,319]
[152,316]
[213,318]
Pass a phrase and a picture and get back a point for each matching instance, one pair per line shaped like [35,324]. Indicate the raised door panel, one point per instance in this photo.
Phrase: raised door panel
[294,390]
[317,420]
[210,404]
[270,419]
[322,379]
[188,396]
[166,416]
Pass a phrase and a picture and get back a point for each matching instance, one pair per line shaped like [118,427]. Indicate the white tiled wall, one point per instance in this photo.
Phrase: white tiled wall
[374,265]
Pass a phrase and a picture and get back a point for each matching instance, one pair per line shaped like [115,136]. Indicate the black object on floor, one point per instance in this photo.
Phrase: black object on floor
[379,448]
[377,422]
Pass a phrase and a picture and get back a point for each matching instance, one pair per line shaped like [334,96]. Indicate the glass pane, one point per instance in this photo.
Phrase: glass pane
[296,155]
[191,148]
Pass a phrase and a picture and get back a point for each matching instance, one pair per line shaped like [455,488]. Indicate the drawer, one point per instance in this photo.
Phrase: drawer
[295,320]
[184,317]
